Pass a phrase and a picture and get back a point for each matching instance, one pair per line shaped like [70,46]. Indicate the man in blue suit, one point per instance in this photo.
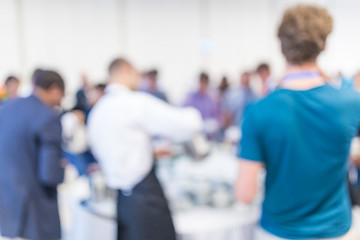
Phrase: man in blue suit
[30,162]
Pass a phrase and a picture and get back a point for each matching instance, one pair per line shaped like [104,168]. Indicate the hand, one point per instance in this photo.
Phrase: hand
[162,153]
[64,162]
[355,160]
[79,115]
[94,167]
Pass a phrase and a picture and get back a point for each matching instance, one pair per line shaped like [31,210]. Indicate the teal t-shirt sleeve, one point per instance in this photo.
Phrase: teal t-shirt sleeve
[250,145]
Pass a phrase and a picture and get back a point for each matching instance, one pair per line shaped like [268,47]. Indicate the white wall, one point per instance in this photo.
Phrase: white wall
[9,40]
[180,37]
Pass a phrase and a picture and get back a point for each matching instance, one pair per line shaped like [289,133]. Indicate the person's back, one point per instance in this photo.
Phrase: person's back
[301,136]
[30,154]
[17,120]
[305,138]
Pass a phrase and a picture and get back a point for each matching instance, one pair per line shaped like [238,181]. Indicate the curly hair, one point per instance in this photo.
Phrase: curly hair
[303,32]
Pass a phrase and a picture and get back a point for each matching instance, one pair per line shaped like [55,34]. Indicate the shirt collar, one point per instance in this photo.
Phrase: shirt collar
[115,87]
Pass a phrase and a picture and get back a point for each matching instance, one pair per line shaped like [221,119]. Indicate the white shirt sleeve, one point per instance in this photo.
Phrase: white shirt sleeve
[120,130]
[162,119]
[122,149]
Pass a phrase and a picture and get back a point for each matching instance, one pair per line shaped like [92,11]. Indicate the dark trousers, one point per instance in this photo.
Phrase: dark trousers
[145,215]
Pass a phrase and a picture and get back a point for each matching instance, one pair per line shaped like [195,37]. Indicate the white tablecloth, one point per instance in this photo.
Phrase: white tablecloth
[236,223]
[216,224]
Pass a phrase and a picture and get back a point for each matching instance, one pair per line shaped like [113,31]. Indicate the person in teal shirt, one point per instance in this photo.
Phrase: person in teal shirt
[301,135]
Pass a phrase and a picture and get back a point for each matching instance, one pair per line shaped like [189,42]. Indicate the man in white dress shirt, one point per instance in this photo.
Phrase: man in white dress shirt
[121,126]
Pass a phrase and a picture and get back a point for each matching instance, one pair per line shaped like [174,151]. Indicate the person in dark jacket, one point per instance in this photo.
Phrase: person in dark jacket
[30,162]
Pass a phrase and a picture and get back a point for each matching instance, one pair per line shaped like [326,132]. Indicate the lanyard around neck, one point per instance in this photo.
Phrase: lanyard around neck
[301,75]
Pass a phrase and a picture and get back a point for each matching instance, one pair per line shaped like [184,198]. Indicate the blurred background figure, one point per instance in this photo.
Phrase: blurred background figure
[356,82]
[81,101]
[2,94]
[151,85]
[354,175]
[94,93]
[223,87]
[10,90]
[204,101]
[30,160]
[222,92]
[341,81]
[238,100]
[220,100]
[76,148]
[262,84]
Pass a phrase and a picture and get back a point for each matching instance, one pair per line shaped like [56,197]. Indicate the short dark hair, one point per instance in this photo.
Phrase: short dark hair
[152,73]
[11,79]
[263,67]
[118,63]
[100,86]
[36,71]
[46,79]
[204,77]
[224,84]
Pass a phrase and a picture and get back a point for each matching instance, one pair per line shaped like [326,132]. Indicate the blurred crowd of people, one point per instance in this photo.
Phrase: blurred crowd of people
[299,130]
[221,107]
